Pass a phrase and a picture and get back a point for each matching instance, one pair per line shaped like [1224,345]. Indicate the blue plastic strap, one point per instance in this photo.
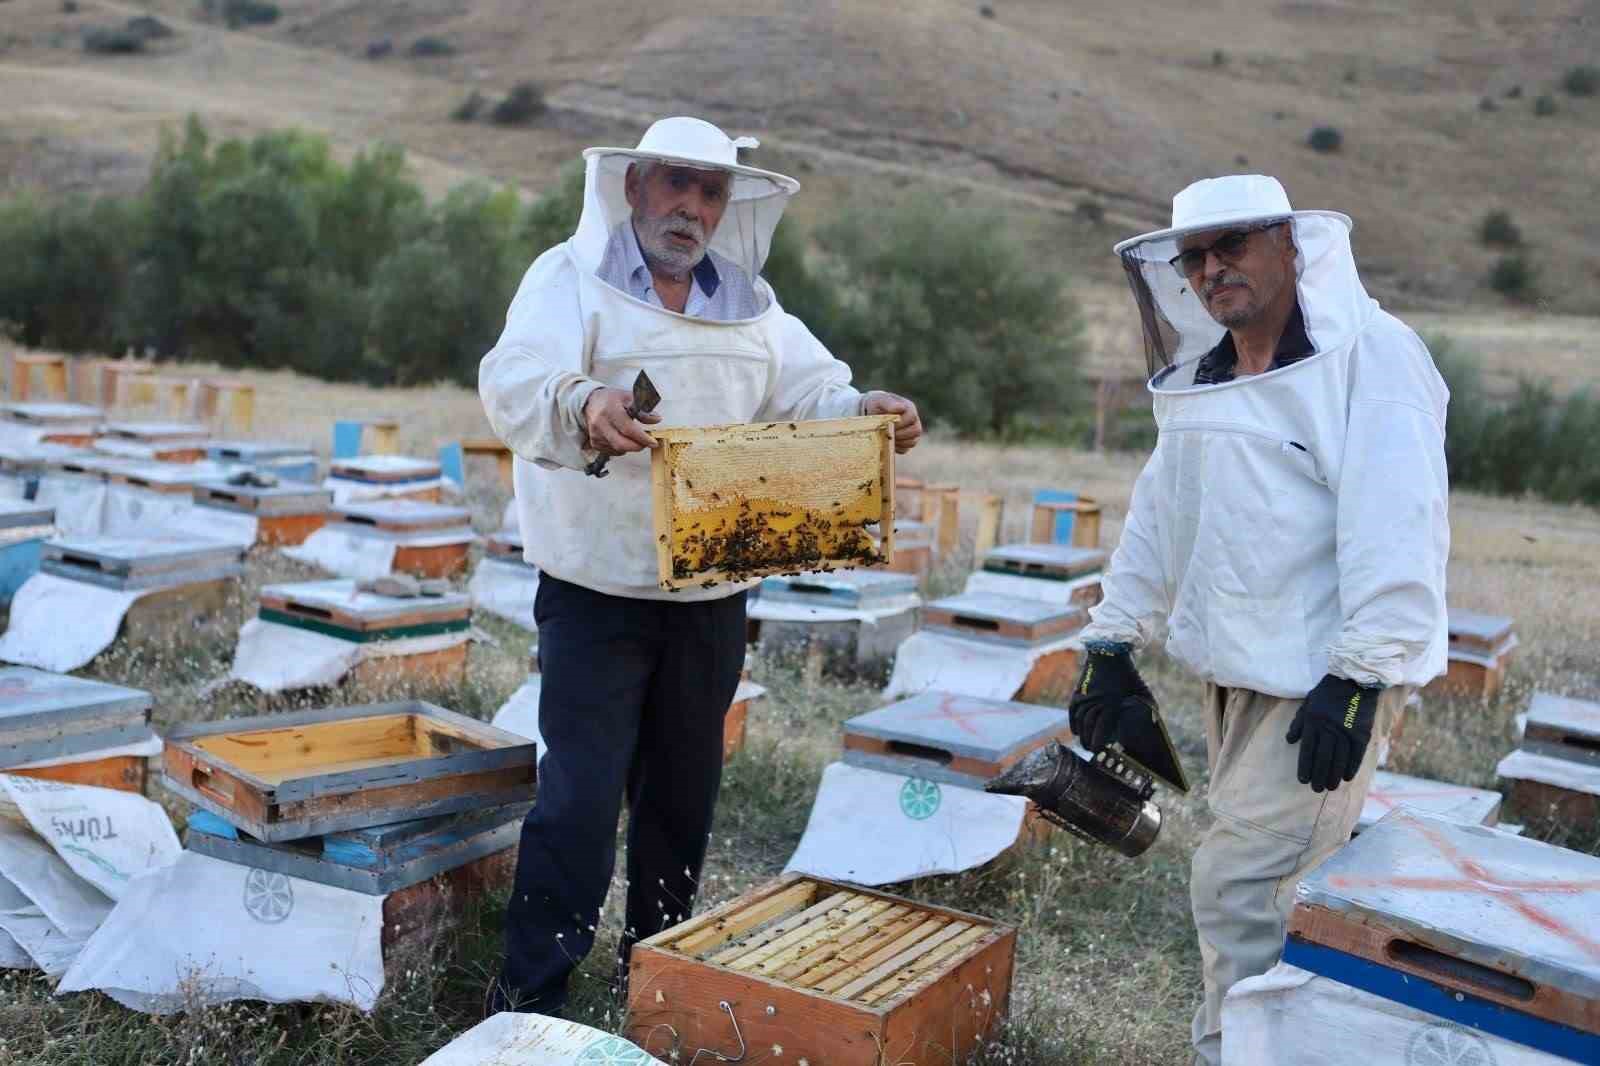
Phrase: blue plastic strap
[211,825]
[452,463]
[346,440]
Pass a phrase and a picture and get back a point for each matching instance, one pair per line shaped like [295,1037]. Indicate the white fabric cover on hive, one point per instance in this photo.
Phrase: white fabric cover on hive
[345,554]
[80,504]
[59,624]
[203,931]
[1043,589]
[520,713]
[506,589]
[136,512]
[933,660]
[1292,1017]
[1523,765]
[874,828]
[509,1039]
[274,657]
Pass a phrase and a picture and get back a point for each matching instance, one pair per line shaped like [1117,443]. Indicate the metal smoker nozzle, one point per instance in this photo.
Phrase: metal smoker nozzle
[1106,801]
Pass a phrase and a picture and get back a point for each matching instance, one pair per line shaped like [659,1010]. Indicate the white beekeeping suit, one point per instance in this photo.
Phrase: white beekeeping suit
[1291,523]
[1291,529]
[568,333]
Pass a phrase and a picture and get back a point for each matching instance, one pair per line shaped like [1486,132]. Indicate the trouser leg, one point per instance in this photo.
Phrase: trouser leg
[1268,831]
[678,765]
[597,655]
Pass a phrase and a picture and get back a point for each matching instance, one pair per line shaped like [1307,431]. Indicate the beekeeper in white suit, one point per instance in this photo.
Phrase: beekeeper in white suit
[1290,528]
[662,275]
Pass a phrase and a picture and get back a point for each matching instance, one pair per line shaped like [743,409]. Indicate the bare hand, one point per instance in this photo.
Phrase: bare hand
[908,429]
[613,429]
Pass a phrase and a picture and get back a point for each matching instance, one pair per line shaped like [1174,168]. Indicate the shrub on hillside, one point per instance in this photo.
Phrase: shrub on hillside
[379,49]
[468,109]
[1582,81]
[523,104]
[1544,106]
[65,272]
[990,356]
[1512,276]
[1325,139]
[149,27]
[1498,229]
[112,40]
[431,46]
[237,13]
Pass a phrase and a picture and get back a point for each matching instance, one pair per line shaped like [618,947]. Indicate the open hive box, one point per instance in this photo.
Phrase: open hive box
[287,776]
[63,423]
[832,974]
[286,513]
[744,501]
[1491,931]
[430,539]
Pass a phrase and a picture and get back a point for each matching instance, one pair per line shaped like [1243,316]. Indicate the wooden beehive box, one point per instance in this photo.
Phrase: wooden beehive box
[414,916]
[1479,652]
[1053,562]
[505,545]
[31,460]
[384,469]
[913,548]
[744,501]
[286,513]
[863,590]
[124,773]
[52,716]
[63,423]
[168,479]
[171,442]
[431,540]
[736,722]
[832,974]
[1459,803]
[1557,771]
[1493,931]
[375,860]
[335,608]
[129,563]
[955,739]
[286,776]
[291,462]
[1003,619]
[25,520]
[90,465]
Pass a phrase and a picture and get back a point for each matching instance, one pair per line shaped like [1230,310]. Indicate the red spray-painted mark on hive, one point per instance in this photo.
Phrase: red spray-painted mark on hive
[956,709]
[1394,797]
[1477,880]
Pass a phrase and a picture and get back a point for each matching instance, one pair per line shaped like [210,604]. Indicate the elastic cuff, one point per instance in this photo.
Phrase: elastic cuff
[1108,647]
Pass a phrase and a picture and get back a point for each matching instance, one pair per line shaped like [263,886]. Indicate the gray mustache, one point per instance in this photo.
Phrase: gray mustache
[1225,279]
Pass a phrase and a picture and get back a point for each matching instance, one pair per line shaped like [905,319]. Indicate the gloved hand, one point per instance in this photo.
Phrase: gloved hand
[1108,689]
[1333,727]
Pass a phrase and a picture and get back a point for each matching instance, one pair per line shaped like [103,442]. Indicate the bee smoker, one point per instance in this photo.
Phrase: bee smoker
[1104,801]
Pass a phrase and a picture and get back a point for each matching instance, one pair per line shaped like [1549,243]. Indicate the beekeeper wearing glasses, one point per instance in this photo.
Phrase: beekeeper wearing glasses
[1291,531]
[663,276]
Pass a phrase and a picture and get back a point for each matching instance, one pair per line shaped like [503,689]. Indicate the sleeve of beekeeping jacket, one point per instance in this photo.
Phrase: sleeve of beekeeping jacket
[531,382]
[1133,590]
[1393,511]
[807,381]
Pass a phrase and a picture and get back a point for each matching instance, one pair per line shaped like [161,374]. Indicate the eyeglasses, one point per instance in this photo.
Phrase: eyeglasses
[1229,248]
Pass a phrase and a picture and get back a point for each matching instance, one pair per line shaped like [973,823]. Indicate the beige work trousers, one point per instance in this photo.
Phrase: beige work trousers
[1268,831]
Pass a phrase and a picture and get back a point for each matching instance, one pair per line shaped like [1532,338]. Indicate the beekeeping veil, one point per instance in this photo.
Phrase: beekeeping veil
[756,198]
[1177,327]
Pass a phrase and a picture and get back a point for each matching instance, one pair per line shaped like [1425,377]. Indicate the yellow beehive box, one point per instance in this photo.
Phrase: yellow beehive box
[745,501]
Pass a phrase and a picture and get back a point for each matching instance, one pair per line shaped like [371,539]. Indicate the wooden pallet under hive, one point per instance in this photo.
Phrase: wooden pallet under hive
[286,513]
[1002,619]
[288,776]
[743,501]
[416,530]
[1485,929]
[51,716]
[335,608]
[832,974]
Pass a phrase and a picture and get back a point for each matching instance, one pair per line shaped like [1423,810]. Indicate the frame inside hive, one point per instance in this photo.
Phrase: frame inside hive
[836,941]
[744,501]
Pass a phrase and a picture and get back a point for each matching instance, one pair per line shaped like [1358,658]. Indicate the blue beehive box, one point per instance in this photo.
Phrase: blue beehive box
[24,527]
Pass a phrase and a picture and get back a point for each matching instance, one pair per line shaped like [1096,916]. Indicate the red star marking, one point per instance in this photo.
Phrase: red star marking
[956,709]
[1481,881]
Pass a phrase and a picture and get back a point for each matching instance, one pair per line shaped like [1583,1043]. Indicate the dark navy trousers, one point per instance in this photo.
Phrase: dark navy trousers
[632,703]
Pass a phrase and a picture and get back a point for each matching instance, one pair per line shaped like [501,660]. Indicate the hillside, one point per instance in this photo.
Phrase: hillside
[1044,107]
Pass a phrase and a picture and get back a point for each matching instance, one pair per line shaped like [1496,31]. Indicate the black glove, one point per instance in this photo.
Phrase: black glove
[1333,727]
[1108,689]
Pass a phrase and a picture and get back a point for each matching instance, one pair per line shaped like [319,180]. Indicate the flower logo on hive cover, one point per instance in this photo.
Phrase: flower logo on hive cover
[268,897]
[611,1051]
[919,798]
[1444,1044]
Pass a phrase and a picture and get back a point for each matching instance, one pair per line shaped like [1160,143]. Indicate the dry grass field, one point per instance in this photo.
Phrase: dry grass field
[1107,969]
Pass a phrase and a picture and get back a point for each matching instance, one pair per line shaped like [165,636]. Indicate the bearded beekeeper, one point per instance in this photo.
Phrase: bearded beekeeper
[1291,530]
[662,275]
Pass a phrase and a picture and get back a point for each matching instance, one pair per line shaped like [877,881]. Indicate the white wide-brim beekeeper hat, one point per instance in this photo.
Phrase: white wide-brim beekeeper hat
[1176,324]
[756,199]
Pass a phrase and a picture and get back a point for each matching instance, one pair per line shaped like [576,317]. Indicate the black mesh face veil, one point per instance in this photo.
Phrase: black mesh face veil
[1160,338]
